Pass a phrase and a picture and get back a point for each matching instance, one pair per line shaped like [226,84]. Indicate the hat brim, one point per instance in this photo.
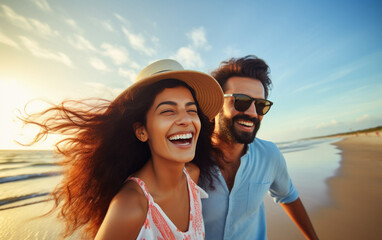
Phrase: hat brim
[207,90]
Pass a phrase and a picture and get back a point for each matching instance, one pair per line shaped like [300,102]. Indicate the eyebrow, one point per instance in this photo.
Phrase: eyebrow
[173,104]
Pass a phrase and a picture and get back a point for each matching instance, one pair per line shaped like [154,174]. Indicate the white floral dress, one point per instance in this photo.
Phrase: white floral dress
[158,226]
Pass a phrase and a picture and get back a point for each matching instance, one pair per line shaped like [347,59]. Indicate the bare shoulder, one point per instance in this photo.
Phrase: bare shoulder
[193,171]
[130,201]
[126,214]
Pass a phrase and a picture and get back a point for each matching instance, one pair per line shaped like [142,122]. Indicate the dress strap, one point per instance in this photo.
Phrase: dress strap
[186,172]
[141,184]
[203,194]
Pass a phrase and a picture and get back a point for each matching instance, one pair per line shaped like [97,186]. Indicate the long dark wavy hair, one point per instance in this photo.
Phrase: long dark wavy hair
[101,150]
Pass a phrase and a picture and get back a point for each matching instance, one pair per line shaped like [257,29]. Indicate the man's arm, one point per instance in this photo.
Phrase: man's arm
[297,213]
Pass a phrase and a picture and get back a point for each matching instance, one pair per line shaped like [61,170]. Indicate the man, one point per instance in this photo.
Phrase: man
[247,167]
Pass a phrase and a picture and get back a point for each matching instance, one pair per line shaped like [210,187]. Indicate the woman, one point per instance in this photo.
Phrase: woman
[124,162]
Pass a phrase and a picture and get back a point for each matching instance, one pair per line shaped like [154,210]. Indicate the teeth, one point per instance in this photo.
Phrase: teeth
[181,136]
[248,124]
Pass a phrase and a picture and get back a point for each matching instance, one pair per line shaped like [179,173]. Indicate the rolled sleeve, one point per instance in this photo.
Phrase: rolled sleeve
[289,197]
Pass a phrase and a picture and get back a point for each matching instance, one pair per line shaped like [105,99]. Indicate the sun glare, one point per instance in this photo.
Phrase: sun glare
[14,96]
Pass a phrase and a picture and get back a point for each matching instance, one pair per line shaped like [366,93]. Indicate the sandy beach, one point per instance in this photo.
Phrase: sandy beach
[355,210]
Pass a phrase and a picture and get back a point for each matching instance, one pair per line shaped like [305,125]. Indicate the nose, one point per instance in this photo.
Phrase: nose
[251,111]
[183,119]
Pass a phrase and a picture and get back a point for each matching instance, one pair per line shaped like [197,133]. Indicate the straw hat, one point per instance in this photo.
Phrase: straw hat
[207,90]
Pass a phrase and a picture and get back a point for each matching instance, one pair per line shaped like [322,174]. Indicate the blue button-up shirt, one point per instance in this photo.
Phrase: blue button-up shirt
[240,214]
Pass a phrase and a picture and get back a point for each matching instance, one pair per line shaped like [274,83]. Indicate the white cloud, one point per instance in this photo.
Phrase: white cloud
[127,73]
[43,28]
[155,40]
[43,5]
[331,123]
[37,51]
[135,65]
[337,74]
[100,90]
[107,25]
[7,41]
[188,57]
[120,18]
[28,24]
[15,18]
[198,38]
[306,87]
[137,42]
[119,55]
[364,118]
[81,43]
[72,24]
[99,65]
[231,51]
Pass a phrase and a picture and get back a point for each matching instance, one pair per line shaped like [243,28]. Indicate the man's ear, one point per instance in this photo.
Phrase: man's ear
[140,132]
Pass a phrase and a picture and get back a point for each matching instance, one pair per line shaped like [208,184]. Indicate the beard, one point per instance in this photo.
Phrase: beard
[229,132]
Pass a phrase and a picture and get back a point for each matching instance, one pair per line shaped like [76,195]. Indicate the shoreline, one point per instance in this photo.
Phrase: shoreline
[355,190]
[355,193]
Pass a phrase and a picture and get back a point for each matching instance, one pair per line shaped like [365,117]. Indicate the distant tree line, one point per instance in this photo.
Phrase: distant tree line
[368,130]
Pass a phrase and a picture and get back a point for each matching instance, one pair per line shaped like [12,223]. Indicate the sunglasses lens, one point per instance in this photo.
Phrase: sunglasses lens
[242,102]
[262,106]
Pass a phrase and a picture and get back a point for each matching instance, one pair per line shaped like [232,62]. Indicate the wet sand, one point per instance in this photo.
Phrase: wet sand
[29,224]
[355,211]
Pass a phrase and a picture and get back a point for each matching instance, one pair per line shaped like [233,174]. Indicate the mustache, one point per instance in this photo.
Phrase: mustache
[246,117]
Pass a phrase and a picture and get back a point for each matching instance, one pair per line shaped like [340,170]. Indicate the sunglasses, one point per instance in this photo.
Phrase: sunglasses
[243,102]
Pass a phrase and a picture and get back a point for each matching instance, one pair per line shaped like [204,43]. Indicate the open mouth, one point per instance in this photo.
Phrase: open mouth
[245,123]
[181,139]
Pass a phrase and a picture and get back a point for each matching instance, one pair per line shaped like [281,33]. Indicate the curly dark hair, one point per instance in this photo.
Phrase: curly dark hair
[101,150]
[248,66]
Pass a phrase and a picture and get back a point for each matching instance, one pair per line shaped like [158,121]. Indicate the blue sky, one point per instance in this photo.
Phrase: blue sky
[325,56]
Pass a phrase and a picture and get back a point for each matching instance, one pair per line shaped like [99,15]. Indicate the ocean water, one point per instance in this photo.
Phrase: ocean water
[27,178]
[311,163]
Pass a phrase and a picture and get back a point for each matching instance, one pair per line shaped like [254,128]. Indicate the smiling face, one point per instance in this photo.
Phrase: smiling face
[235,126]
[172,126]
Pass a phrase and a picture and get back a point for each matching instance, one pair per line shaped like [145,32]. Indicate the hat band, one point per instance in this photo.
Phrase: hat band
[162,71]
